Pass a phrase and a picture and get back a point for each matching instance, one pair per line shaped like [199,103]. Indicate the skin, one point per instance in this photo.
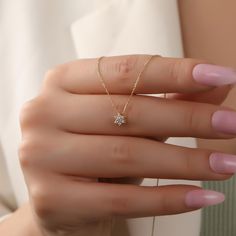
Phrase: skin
[48,135]
[41,179]
[202,39]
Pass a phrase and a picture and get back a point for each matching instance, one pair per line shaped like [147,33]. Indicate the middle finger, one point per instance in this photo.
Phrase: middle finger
[146,116]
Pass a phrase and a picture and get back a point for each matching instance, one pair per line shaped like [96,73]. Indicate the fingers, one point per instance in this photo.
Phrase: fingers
[120,72]
[130,157]
[214,96]
[146,116]
[91,201]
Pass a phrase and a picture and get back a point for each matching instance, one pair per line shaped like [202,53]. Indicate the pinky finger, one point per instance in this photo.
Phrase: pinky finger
[103,200]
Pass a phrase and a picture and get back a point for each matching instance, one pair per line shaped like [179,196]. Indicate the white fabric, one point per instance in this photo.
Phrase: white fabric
[36,35]
[5,217]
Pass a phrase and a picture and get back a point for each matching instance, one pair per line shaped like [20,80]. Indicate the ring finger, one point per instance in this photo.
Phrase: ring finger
[119,156]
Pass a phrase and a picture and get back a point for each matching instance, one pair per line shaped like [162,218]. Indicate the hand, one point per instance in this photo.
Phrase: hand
[69,140]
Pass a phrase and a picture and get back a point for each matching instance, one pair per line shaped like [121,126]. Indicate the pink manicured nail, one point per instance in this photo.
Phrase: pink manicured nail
[224,121]
[201,198]
[214,75]
[223,163]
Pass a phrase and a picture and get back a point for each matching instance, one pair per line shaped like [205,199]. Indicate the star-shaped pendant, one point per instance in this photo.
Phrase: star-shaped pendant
[119,119]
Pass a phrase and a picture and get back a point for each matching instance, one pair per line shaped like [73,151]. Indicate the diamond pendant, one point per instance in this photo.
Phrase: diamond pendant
[119,119]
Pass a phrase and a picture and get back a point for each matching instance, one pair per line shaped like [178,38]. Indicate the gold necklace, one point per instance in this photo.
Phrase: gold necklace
[120,117]
[157,183]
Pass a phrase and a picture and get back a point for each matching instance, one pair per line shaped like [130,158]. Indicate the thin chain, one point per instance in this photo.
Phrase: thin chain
[154,217]
[103,84]
[134,87]
[113,103]
[123,111]
[136,82]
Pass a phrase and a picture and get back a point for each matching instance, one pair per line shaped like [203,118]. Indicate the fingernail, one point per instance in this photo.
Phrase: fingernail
[223,163]
[224,121]
[202,198]
[214,75]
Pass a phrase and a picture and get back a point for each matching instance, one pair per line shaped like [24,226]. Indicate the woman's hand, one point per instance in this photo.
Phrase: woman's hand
[69,140]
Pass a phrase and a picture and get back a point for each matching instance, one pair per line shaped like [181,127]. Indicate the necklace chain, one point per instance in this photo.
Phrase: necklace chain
[123,111]
[132,92]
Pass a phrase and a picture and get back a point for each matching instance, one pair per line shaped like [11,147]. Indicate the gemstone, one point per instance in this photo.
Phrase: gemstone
[119,119]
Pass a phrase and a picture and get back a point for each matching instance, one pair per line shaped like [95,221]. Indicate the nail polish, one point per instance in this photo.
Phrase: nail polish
[224,121]
[202,198]
[223,163]
[214,75]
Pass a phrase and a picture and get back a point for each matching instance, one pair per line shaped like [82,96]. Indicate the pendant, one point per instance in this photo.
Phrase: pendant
[119,119]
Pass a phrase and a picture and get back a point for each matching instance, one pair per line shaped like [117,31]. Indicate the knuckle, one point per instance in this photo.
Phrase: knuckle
[121,154]
[27,112]
[191,120]
[53,76]
[181,71]
[118,206]
[42,199]
[190,168]
[27,152]
[193,166]
[24,152]
[164,205]
[33,112]
[125,66]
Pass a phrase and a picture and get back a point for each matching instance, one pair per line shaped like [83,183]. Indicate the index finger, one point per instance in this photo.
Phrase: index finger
[162,75]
